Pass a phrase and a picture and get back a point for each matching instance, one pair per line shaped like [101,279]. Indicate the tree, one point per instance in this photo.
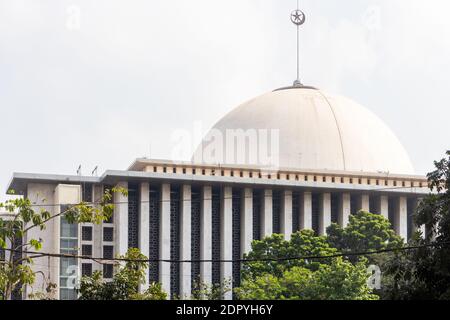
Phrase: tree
[339,280]
[365,232]
[302,243]
[424,273]
[204,291]
[16,270]
[276,271]
[125,283]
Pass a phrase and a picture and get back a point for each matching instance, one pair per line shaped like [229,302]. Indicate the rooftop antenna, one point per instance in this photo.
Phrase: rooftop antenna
[79,170]
[298,18]
[95,171]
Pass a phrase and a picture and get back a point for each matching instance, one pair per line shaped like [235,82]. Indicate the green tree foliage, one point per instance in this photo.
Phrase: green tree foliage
[205,291]
[425,273]
[339,280]
[22,218]
[364,232]
[303,243]
[325,278]
[301,279]
[125,283]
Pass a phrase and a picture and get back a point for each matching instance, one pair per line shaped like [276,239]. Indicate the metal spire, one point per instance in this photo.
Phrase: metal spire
[298,18]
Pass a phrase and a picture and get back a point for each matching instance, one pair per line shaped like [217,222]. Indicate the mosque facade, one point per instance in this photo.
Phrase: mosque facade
[326,158]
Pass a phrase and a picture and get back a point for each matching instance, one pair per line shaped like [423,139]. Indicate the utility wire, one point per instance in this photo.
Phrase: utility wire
[312,257]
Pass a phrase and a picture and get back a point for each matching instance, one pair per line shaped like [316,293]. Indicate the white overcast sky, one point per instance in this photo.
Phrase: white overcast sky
[116,86]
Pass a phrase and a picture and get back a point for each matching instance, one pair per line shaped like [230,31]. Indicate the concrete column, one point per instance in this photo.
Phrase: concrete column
[246,220]
[226,237]
[121,220]
[205,235]
[324,213]
[384,206]
[185,242]
[401,217]
[364,203]
[306,211]
[286,214]
[164,238]
[266,214]
[43,196]
[144,227]
[344,210]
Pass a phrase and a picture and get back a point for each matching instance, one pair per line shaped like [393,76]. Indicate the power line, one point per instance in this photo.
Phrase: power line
[312,257]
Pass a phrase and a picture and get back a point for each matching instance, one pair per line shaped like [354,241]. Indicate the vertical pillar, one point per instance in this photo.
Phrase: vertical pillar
[185,242]
[401,217]
[164,240]
[144,227]
[121,220]
[246,220]
[226,237]
[306,211]
[344,210]
[46,197]
[286,214]
[324,213]
[384,206]
[267,214]
[206,235]
[364,202]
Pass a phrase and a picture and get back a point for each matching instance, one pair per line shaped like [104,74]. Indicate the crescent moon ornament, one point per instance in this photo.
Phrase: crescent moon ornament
[298,17]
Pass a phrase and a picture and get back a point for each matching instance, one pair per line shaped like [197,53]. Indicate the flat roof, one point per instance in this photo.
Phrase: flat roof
[20,180]
[140,163]
[136,172]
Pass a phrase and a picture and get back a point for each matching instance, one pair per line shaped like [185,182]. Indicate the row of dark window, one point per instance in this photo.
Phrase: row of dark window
[195,235]
[86,233]
[108,253]
[154,215]
[236,242]
[108,270]
[175,198]
[133,216]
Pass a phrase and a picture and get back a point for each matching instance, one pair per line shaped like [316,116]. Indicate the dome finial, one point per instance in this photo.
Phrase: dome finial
[298,18]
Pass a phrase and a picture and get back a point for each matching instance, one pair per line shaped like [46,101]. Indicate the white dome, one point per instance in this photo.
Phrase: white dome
[317,132]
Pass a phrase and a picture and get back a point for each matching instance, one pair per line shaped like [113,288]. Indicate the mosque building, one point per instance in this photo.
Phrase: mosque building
[291,159]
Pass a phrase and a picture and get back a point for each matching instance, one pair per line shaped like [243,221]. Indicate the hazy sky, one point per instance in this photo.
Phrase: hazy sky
[103,82]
